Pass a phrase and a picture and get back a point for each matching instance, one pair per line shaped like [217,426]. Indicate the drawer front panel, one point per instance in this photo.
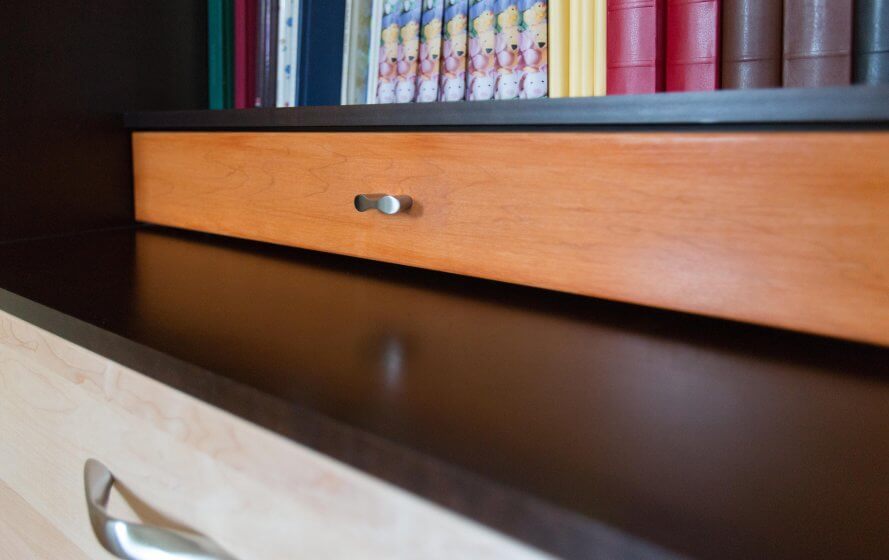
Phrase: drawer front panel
[180,462]
[786,229]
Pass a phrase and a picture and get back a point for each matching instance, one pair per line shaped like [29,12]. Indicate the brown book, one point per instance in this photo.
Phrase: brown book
[817,43]
[751,43]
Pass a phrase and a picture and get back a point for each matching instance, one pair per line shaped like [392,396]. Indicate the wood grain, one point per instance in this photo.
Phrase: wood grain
[183,461]
[784,229]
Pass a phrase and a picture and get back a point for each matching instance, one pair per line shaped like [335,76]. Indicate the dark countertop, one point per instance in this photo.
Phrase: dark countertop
[584,427]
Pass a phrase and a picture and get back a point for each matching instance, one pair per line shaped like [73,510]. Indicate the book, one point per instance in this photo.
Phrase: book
[215,53]
[751,43]
[559,39]
[817,43]
[228,53]
[455,42]
[692,54]
[582,25]
[245,53]
[871,51]
[482,40]
[356,51]
[389,50]
[636,43]
[408,51]
[508,57]
[285,81]
[319,69]
[534,46]
[373,52]
[266,53]
[428,70]
[600,47]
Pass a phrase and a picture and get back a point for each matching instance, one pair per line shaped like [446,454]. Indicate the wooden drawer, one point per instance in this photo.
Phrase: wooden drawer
[180,460]
[787,229]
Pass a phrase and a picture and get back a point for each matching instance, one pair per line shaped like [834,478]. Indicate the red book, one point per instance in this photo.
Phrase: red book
[245,53]
[692,45]
[636,41]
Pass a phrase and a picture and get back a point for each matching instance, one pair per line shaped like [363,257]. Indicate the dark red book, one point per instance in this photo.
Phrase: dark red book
[692,45]
[636,41]
[245,53]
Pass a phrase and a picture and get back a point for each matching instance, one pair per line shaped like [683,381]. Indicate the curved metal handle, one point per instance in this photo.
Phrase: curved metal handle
[134,541]
[385,203]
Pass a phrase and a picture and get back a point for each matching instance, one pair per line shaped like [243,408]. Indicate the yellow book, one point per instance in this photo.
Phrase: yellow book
[580,78]
[559,28]
[600,45]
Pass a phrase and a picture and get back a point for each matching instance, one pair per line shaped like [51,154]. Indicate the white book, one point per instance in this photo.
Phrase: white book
[285,92]
[373,59]
[347,54]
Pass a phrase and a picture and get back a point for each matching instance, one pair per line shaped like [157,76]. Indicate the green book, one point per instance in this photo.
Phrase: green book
[216,53]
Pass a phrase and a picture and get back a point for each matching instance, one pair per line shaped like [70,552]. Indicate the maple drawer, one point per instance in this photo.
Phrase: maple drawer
[779,228]
[183,464]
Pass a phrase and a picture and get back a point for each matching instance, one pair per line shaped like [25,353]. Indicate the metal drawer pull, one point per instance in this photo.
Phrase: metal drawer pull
[385,203]
[134,541]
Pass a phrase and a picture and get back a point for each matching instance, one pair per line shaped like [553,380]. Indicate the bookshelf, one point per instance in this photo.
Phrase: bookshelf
[838,106]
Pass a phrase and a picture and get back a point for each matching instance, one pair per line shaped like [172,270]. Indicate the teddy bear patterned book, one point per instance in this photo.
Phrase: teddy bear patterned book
[534,49]
[482,41]
[508,55]
[430,51]
[452,85]
[389,51]
[408,51]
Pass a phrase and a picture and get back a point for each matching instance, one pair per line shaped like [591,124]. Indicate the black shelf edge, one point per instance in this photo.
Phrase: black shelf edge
[827,106]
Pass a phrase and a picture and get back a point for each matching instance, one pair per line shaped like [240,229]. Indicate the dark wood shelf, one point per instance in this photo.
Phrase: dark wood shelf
[571,423]
[854,105]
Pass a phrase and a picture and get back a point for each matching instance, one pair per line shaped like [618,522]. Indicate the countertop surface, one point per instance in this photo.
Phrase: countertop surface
[580,426]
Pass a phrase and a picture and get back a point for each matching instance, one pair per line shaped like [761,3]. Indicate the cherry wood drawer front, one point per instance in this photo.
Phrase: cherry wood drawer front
[785,229]
[180,462]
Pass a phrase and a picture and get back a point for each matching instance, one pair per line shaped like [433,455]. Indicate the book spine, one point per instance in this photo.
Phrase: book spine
[346,79]
[272,47]
[430,51]
[580,76]
[751,43]
[408,52]
[692,56]
[871,64]
[215,55]
[455,42]
[284,67]
[262,16]
[559,25]
[636,41]
[241,48]
[389,51]
[534,46]
[250,64]
[228,53]
[373,54]
[817,43]
[600,47]
[482,41]
[293,45]
[507,49]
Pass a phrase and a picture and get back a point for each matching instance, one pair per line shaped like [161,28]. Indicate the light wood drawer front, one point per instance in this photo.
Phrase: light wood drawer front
[258,495]
[786,229]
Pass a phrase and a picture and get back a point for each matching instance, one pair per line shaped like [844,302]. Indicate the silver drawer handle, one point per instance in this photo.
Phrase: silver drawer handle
[134,541]
[385,203]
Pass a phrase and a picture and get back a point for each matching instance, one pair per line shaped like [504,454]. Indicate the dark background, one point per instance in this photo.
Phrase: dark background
[69,70]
